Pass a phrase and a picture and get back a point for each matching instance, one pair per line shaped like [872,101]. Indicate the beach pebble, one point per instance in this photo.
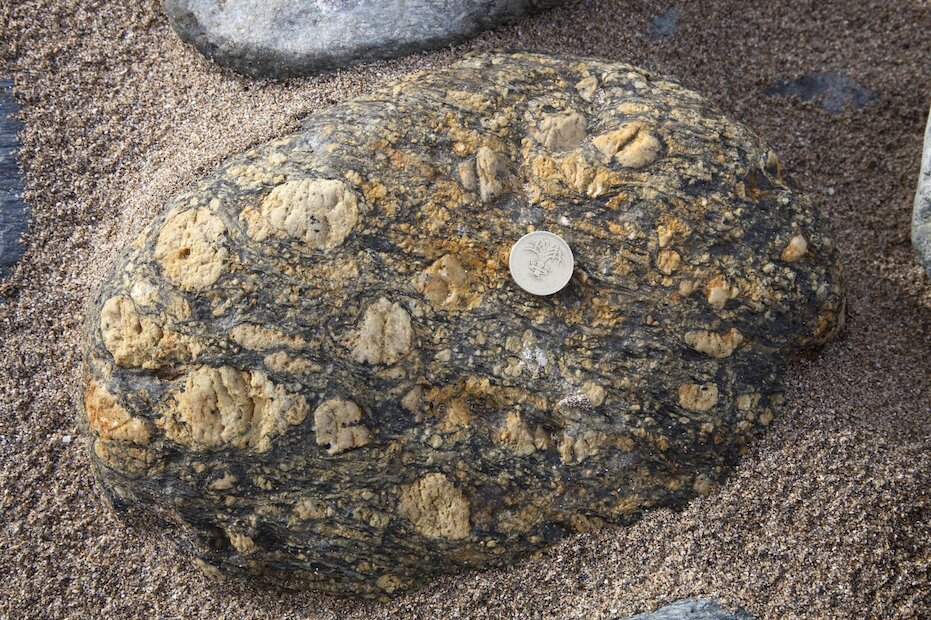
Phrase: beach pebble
[921,214]
[316,368]
[835,90]
[666,25]
[284,38]
[693,609]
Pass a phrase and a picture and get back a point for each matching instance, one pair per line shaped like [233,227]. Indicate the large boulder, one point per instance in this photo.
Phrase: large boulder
[315,368]
[921,213]
[285,38]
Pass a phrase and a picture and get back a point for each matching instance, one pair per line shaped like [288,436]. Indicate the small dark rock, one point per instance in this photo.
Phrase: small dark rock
[835,88]
[13,211]
[666,25]
[693,609]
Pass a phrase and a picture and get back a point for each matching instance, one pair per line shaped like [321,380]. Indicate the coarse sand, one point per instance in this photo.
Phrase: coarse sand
[827,517]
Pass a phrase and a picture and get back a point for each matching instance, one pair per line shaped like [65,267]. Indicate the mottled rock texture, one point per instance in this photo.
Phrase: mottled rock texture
[285,38]
[13,210]
[921,214]
[315,368]
[693,609]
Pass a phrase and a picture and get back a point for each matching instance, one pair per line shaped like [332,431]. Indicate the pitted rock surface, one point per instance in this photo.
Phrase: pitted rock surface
[286,38]
[315,367]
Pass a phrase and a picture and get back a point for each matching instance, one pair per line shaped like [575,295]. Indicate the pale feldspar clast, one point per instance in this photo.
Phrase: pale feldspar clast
[314,365]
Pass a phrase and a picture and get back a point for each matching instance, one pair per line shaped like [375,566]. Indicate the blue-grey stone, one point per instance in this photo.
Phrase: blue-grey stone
[694,609]
[666,25]
[921,215]
[285,38]
[836,90]
[13,211]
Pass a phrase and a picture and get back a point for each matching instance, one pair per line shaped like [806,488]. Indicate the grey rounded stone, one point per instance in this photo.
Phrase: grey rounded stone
[921,215]
[834,89]
[665,26]
[286,38]
[693,609]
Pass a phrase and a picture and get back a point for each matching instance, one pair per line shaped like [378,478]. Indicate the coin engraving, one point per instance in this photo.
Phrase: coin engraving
[541,263]
[545,255]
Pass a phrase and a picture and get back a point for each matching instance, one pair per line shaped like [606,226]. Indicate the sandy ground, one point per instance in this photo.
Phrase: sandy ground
[829,516]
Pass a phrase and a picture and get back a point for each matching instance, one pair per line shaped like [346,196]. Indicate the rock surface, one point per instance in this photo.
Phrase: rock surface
[921,214]
[315,368]
[13,210]
[285,38]
[693,609]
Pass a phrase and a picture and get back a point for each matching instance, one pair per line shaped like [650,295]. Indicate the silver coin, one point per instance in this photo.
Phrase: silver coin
[541,263]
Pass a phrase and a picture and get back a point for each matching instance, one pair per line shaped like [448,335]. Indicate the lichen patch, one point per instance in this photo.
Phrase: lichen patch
[435,507]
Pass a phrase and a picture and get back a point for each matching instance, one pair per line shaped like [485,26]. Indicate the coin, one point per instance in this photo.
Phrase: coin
[541,263]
